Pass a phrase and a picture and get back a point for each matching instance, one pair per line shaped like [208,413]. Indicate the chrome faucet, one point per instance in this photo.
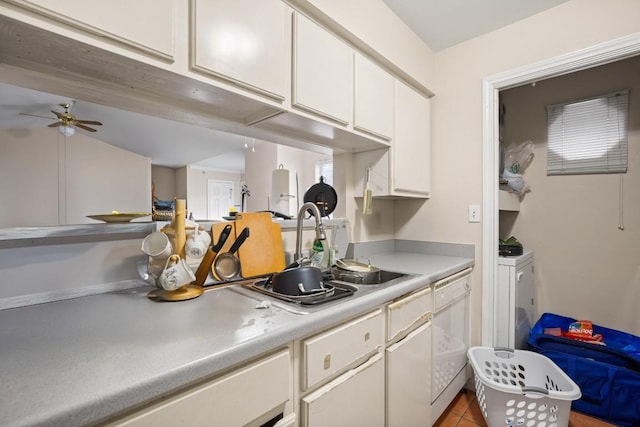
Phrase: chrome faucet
[319,228]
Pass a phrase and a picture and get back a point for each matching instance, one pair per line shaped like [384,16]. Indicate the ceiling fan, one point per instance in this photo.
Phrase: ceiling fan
[65,121]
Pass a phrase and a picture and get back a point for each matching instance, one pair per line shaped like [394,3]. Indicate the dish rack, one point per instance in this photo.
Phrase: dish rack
[521,388]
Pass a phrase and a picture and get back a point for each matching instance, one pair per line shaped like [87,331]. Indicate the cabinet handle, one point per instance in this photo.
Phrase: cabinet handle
[519,275]
[327,361]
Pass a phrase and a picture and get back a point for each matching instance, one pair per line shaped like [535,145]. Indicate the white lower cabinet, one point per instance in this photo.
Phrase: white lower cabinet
[249,396]
[342,380]
[331,352]
[409,380]
[355,398]
[408,360]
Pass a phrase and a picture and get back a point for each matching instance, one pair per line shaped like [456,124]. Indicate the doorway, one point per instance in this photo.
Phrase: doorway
[598,55]
[219,198]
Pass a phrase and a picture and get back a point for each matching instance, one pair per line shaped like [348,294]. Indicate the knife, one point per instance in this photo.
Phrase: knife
[205,265]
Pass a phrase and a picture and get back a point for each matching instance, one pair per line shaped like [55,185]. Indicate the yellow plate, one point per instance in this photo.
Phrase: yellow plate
[119,217]
[183,293]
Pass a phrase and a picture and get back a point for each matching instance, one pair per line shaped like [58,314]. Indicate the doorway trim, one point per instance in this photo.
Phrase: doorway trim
[600,54]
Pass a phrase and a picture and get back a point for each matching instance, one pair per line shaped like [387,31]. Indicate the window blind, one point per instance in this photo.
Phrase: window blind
[588,136]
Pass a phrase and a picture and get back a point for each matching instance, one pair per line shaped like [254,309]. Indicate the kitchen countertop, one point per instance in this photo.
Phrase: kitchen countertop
[79,361]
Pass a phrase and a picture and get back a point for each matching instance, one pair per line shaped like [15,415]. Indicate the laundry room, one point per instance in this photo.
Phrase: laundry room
[582,227]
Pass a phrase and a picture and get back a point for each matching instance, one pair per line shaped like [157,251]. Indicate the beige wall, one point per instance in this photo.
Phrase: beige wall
[164,179]
[457,114]
[585,266]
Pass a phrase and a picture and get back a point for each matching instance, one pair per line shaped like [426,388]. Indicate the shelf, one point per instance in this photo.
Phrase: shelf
[508,201]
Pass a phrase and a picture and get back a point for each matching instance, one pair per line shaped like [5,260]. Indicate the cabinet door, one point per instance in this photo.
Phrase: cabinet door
[356,398]
[322,72]
[242,41]
[411,150]
[503,323]
[409,380]
[252,394]
[330,352]
[119,20]
[374,99]
[408,312]
[523,315]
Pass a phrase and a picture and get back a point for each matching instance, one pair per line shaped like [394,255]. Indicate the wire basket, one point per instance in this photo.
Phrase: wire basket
[521,388]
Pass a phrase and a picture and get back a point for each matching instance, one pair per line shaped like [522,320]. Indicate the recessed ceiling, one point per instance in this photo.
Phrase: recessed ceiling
[445,23]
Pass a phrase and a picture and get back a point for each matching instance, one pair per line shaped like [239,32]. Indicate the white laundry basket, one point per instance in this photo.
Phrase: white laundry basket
[521,388]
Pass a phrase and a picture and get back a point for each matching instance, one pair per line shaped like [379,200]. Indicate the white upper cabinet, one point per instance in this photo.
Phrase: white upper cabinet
[322,72]
[411,148]
[374,99]
[146,25]
[404,169]
[244,42]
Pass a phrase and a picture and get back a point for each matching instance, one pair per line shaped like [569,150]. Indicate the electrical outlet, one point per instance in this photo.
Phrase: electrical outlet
[474,213]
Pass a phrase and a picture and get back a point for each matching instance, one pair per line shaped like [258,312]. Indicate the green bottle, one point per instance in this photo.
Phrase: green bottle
[320,256]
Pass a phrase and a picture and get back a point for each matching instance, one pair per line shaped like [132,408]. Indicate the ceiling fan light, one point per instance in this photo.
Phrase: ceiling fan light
[66,130]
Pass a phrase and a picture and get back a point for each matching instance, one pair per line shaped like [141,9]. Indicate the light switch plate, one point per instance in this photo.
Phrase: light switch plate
[474,213]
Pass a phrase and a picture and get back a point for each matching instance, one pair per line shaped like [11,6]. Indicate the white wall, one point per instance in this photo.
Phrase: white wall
[257,172]
[101,178]
[267,157]
[28,177]
[585,267]
[457,114]
[197,192]
[47,179]
[301,165]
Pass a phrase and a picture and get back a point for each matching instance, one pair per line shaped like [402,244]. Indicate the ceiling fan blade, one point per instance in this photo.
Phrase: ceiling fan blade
[56,124]
[89,122]
[58,115]
[85,127]
[34,115]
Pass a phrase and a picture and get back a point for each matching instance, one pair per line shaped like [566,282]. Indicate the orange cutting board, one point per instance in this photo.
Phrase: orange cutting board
[216,229]
[263,251]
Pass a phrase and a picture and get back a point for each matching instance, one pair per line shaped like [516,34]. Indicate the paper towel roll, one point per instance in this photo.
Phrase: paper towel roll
[281,192]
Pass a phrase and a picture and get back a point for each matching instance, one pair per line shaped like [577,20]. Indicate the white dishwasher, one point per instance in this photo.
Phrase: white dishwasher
[450,339]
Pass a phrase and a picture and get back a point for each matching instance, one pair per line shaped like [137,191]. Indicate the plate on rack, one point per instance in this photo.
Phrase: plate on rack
[117,217]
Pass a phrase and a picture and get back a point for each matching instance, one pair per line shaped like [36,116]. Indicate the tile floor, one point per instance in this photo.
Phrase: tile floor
[465,412]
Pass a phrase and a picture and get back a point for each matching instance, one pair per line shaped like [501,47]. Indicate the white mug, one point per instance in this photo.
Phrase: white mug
[196,245]
[176,274]
[202,235]
[157,245]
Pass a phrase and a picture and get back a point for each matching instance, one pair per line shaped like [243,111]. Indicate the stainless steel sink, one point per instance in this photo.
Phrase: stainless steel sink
[383,277]
[354,285]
